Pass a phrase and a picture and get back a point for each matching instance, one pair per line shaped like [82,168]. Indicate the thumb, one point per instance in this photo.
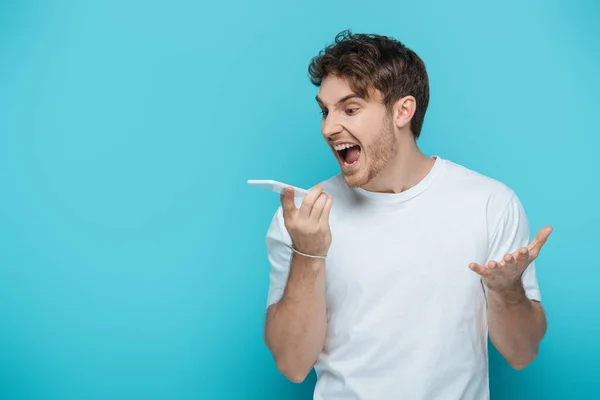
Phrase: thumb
[539,241]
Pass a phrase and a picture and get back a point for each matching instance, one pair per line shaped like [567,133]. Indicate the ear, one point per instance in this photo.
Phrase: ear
[404,109]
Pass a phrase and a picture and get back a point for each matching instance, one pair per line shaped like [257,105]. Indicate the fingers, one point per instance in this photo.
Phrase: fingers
[326,210]
[480,269]
[317,209]
[496,268]
[315,206]
[309,201]
[287,201]
[492,270]
[510,262]
[522,257]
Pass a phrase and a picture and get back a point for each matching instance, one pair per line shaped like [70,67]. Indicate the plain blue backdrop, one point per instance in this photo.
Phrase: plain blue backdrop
[132,252]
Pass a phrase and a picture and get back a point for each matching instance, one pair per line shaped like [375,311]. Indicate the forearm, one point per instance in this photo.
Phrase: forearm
[516,325]
[296,325]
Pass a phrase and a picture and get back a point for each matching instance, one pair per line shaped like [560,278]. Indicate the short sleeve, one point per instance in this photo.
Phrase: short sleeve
[279,253]
[511,232]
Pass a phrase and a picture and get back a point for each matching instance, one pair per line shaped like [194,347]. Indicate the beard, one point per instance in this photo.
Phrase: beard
[376,156]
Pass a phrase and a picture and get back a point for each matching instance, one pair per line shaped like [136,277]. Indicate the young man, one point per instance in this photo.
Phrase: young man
[389,291]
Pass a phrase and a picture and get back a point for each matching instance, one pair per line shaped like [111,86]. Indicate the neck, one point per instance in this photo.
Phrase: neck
[407,168]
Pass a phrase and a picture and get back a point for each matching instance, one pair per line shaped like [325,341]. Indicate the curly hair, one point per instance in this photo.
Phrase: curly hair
[370,61]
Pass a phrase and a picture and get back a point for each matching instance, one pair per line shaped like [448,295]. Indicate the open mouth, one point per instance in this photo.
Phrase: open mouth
[348,153]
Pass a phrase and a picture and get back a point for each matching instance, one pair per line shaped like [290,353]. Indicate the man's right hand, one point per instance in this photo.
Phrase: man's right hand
[308,225]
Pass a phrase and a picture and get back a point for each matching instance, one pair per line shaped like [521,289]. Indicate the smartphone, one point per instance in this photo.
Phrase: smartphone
[276,186]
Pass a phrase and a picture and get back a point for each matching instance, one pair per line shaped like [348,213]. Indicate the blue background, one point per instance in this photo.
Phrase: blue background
[132,255]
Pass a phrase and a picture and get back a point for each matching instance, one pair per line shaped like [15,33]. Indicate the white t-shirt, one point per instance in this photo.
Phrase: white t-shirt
[406,316]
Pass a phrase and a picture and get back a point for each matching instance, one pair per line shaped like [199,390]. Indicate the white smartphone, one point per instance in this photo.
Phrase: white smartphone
[276,186]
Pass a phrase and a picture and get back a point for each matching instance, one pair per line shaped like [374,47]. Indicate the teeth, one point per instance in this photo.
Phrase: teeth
[340,147]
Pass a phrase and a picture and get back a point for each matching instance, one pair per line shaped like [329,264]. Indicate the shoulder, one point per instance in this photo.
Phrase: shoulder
[475,185]
[488,197]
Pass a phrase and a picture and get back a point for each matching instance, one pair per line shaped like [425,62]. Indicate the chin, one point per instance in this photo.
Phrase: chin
[355,180]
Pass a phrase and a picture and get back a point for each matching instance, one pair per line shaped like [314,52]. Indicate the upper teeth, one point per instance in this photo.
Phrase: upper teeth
[340,147]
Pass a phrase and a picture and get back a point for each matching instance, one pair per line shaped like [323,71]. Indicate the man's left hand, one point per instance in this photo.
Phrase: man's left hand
[506,274]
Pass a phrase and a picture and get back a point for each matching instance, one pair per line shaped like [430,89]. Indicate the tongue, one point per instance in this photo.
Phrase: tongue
[352,154]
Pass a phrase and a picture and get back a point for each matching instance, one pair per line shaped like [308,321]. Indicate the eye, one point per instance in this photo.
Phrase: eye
[323,113]
[351,111]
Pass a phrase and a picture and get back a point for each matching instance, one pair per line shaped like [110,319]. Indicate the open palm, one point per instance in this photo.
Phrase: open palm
[504,274]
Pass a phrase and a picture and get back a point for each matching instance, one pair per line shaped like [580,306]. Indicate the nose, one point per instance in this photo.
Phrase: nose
[330,128]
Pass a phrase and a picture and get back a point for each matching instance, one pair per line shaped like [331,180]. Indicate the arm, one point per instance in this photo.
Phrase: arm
[296,321]
[516,320]
[516,324]
[296,325]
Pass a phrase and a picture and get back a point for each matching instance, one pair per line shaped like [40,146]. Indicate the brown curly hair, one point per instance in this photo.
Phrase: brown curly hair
[370,61]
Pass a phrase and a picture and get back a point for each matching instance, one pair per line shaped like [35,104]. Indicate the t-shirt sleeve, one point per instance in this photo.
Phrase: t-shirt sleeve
[511,232]
[279,253]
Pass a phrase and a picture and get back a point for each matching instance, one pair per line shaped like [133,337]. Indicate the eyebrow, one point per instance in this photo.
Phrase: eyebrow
[340,101]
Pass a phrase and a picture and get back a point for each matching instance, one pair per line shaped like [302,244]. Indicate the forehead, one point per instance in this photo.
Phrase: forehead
[333,88]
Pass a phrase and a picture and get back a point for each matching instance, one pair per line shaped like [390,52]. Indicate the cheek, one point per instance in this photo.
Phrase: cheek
[368,136]
[362,133]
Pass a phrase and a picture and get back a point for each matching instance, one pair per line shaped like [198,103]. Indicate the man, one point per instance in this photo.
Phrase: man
[388,277]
